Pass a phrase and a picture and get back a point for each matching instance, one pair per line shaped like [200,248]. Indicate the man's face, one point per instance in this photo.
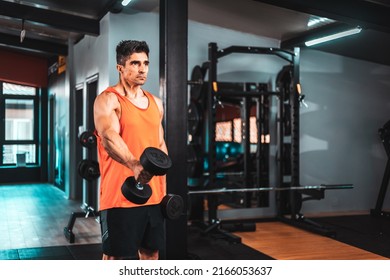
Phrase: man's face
[136,69]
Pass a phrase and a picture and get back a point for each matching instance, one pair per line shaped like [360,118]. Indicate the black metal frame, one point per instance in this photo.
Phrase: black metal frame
[173,83]
[378,210]
[37,117]
[89,206]
[288,170]
[213,97]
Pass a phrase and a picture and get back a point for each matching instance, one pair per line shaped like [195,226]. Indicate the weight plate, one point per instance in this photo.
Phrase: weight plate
[196,83]
[194,118]
[88,169]
[284,81]
[155,161]
[172,206]
[87,139]
[194,161]
[134,194]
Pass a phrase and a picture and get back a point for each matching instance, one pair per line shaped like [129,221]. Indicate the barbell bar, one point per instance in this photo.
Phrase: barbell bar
[267,189]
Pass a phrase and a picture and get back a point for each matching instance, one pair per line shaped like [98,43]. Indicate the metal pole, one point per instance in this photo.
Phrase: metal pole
[173,87]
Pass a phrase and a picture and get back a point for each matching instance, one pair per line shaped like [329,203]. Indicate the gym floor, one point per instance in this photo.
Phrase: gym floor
[34,217]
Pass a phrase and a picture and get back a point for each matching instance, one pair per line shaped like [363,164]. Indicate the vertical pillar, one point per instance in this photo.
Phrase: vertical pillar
[72,140]
[173,89]
[295,136]
[212,199]
[245,117]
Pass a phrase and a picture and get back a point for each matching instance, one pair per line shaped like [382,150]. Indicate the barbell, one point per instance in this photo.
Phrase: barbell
[268,189]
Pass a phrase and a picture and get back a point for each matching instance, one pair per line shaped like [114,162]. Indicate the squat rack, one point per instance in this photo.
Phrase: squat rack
[287,142]
[292,59]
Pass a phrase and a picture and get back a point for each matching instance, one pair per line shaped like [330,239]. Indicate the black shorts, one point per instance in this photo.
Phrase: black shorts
[126,230]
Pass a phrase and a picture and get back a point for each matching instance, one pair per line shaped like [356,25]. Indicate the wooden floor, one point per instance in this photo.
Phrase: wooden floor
[35,216]
[285,242]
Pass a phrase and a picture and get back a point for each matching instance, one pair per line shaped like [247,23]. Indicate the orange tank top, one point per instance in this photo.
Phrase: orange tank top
[139,128]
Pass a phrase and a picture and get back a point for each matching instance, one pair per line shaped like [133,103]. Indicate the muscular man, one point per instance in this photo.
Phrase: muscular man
[128,119]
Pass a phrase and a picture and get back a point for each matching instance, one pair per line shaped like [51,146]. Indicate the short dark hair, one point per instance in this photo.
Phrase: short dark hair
[126,48]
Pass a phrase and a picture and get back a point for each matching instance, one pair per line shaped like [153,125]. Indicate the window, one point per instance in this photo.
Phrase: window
[231,131]
[19,137]
[223,131]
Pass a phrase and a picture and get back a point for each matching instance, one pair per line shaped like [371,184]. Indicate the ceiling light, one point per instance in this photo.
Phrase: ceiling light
[333,36]
[125,2]
[318,21]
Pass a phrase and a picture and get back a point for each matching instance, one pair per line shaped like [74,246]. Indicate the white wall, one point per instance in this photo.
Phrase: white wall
[91,56]
[137,26]
[348,102]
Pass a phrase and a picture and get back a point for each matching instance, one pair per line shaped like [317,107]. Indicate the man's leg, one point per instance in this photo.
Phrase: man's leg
[145,254]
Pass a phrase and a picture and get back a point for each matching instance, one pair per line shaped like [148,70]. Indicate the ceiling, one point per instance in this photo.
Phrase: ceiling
[50,25]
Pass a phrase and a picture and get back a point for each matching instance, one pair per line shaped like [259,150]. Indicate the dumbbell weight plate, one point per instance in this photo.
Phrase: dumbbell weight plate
[89,169]
[155,161]
[134,194]
[87,139]
[196,88]
[172,206]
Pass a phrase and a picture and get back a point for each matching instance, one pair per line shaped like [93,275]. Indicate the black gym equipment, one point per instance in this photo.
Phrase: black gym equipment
[276,189]
[194,160]
[157,163]
[172,206]
[88,169]
[194,118]
[196,82]
[87,139]
[384,134]
[246,95]
[289,194]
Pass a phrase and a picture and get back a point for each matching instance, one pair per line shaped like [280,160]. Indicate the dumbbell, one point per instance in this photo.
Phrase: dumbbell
[154,161]
[89,169]
[157,163]
[87,139]
[172,206]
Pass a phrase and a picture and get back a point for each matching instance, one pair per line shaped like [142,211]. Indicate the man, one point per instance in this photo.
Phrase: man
[128,119]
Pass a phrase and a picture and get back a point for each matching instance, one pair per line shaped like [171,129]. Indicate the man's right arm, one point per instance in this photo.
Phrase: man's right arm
[107,126]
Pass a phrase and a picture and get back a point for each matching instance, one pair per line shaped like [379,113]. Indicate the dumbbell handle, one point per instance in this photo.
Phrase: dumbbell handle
[139,186]
[155,163]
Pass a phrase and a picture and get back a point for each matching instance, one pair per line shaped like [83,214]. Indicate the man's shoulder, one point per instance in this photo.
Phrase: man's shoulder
[110,89]
[110,92]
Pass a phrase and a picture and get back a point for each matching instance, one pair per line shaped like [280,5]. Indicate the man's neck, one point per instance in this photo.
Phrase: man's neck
[130,91]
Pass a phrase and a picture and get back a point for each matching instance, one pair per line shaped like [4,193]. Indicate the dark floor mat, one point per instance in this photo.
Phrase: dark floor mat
[201,247]
[214,247]
[363,231]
